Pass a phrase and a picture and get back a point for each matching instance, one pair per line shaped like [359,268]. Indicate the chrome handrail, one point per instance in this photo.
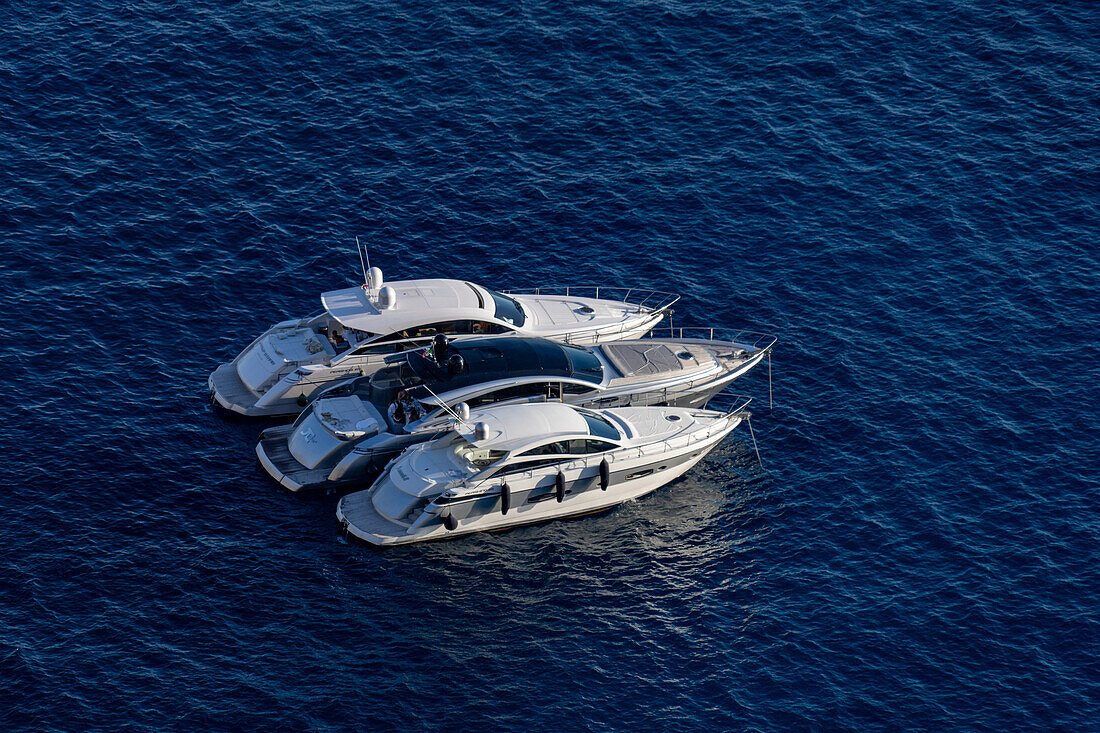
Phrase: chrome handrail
[654,300]
[754,340]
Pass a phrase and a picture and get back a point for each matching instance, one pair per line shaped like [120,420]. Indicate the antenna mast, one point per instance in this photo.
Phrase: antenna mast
[366,281]
[443,404]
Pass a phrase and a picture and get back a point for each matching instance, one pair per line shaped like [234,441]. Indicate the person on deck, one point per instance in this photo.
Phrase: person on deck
[403,409]
[338,340]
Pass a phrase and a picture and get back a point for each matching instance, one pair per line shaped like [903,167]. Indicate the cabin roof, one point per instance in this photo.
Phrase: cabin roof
[418,303]
[515,426]
[492,358]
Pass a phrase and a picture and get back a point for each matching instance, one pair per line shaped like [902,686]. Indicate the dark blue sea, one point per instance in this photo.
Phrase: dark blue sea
[907,194]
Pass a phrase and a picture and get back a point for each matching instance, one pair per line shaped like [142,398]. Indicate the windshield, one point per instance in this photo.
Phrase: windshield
[599,427]
[508,310]
[585,364]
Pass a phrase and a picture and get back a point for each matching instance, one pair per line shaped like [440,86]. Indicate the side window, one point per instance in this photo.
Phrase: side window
[557,449]
[386,347]
[527,390]
[488,398]
[513,468]
[430,329]
[407,345]
[584,446]
[391,344]
[573,388]
[528,465]
[486,327]
[508,393]
[543,462]
[451,327]
[410,338]
[485,399]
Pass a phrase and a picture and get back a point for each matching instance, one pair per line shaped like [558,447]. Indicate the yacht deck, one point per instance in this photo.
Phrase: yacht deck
[231,391]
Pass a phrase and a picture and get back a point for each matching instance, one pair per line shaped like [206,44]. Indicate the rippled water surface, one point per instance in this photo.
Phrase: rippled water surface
[905,194]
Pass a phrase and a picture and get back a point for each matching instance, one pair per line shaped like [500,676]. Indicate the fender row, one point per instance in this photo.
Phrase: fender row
[605,478]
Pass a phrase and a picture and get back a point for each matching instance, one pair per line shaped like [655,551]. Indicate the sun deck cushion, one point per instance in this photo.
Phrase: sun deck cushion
[345,414]
[637,359]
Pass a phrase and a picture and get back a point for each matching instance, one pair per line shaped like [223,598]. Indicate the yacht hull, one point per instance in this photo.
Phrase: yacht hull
[631,478]
[728,360]
[293,386]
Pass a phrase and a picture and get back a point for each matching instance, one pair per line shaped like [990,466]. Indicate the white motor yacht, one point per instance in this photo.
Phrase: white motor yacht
[279,371]
[512,465]
[346,434]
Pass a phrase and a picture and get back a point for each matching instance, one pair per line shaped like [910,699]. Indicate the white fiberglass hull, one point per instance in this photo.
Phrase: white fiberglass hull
[688,388]
[292,385]
[635,473]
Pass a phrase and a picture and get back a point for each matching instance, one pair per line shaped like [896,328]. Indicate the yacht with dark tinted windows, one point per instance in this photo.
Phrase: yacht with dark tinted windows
[512,465]
[279,371]
[347,433]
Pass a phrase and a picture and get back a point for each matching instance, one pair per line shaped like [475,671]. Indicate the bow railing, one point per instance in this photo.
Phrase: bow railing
[746,339]
[641,298]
